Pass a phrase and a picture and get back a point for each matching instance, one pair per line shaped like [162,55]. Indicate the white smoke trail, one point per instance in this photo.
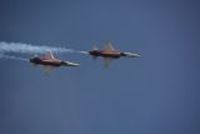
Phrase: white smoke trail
[83,52]
[30,49]
[12,57]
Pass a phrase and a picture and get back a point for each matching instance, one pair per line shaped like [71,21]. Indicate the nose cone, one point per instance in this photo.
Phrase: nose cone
[129,54]
[71,64]
[74,64]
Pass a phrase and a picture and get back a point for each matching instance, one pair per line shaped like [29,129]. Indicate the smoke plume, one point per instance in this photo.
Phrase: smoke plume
[30,49]
[12,57]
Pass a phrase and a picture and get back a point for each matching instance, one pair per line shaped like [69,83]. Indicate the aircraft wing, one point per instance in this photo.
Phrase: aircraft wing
[48,69]
[107,62]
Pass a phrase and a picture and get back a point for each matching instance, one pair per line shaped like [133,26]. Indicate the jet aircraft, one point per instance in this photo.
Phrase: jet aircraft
[49,60]
[109,53]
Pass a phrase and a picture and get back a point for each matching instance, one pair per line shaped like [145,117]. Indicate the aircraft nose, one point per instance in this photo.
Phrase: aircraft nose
[129,54]
[67,63]
[136,55]
[76,64]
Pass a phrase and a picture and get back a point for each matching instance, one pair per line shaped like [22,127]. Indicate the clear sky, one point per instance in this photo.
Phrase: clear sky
[157,93]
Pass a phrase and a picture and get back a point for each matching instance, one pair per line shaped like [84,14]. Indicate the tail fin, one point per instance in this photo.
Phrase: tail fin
[49,55]
[94,47]
[109,46]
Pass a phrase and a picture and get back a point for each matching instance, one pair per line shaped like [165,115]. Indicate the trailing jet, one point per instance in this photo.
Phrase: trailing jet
[49,61]
[109,53]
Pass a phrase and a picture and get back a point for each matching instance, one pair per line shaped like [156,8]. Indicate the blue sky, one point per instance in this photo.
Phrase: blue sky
[156,93]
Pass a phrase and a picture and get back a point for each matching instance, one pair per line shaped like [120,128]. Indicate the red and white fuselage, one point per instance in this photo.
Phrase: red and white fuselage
[50,60]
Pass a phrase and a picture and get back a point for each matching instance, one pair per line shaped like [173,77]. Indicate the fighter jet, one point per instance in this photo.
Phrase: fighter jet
[109,53]
[49,60]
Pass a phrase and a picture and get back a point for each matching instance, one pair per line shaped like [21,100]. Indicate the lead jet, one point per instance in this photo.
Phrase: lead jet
[49,61]
[109,53]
